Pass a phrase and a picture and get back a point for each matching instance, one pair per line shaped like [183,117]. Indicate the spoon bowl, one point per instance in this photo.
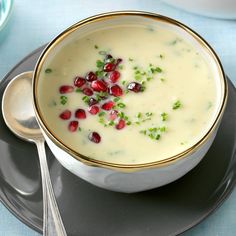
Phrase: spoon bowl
[22,122]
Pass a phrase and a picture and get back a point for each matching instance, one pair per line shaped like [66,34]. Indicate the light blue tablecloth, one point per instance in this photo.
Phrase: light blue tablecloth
[34,23]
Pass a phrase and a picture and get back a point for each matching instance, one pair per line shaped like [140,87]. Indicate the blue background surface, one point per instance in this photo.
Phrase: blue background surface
[34,23]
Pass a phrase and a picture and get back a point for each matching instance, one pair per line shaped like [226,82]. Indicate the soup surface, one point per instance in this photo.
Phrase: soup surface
[128,94]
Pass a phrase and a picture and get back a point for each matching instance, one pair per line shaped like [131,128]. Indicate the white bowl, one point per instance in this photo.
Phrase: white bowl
[136,177]
[225,9]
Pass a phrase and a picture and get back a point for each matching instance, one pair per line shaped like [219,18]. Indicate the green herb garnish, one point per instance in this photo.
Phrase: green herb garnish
[154,132]
[164,116]
[48,71]
[96,46]
[148,114]
[63,99]
[176,105]
[116,99]
[139,115]
[99,64]
[111,123]
[85,99]
[78,90]
[121,114]
[121,105]
[102,113]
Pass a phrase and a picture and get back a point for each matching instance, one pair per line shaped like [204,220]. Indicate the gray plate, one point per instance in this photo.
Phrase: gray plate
[88,210]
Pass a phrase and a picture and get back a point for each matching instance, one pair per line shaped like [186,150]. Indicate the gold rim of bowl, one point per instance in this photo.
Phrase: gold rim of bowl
[126,167]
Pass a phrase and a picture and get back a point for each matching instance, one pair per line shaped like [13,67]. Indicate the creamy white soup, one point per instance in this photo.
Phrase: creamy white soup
[128,94]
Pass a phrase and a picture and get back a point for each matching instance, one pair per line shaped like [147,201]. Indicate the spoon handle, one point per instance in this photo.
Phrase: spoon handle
[52,222]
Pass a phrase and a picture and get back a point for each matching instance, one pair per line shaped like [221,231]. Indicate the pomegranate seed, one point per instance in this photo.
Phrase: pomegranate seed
[121,124]
[113,115]
[135,87]
[92,101]
[116,90]
[108,105]
[79,81]
[73,125]
[93,110]
[80,114]
[99,86]
[66,89]
[91,76]
[94,137]
[88,91]
[109,67]
[65,115]
[114,76]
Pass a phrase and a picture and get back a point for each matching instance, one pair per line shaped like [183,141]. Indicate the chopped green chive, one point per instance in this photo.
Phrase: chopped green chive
[164,116]
[139,115]
[78,90]
[176,105]
[148,114]
[126,118]
[102,113]
[163,129]
[123,82]
[138,77]
[121,114]
[96,46]
[100,74]
[85,99]
[121,105]
[131,59]
[99,64]
[64,100]
[48,71]
[116,99]
[153,132]
[111,123]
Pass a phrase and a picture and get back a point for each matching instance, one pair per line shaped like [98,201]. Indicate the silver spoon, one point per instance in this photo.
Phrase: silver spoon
[18,113]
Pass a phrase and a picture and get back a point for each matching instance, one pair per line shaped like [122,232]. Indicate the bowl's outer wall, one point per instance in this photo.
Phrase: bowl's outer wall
[135,181]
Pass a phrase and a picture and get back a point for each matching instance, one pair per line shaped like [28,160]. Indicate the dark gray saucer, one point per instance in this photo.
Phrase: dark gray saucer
[88,210]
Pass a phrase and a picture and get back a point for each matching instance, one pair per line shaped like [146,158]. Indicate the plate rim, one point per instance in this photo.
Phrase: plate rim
[26,221]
